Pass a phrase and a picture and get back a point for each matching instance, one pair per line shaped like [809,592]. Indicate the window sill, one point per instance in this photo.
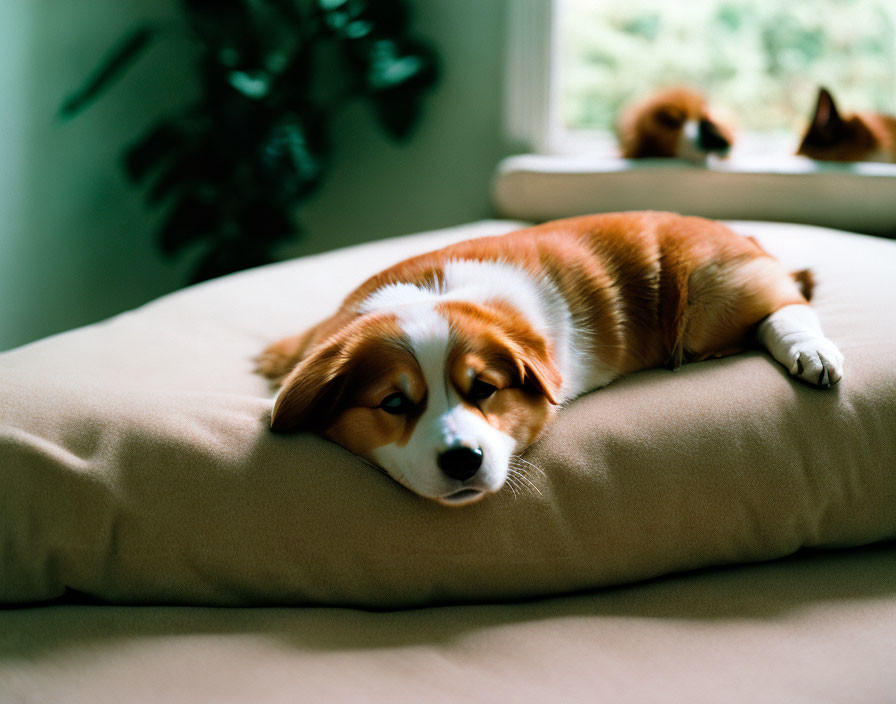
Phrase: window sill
[855,196]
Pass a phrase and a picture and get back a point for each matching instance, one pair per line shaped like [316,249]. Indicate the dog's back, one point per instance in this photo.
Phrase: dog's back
[648,289]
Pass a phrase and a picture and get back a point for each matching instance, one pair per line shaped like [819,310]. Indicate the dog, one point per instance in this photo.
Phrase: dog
[862,136]
[441,369]
[674,123]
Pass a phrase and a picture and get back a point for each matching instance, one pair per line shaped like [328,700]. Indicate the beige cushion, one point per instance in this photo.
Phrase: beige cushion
[807,630]
[136,464]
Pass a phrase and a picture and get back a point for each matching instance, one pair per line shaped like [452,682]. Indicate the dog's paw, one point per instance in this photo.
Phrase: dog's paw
[817,361]
[271,365]
[279,358]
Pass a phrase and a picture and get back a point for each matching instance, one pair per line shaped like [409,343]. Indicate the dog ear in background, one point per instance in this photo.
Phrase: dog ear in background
[674,123]
[862,136]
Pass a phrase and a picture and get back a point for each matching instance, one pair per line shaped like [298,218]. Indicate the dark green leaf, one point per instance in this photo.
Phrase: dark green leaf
[265,223]
[254,85]
[169,179]
[288,10]
[127,51]
[200,169]
[189,220]
[227,257]
[398,112]
[381,17]
[161,142]
[291,158]
[400,63]
[399,73]
[224,27]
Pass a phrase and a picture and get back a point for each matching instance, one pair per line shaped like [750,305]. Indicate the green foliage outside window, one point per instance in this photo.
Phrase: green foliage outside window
[762,60]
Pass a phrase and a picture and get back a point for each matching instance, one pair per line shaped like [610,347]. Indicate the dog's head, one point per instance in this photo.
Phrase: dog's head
[673,123]
[440,395]
[834,137]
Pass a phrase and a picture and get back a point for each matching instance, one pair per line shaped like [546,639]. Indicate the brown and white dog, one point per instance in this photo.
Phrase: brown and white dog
[674,123]
[443,368]
[862,136]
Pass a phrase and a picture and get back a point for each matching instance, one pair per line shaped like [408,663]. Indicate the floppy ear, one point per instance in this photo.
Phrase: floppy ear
[543,374]
[310,394]
[536,367]
[528,352]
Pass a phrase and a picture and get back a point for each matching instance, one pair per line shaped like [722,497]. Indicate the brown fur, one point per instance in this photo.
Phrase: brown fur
[505,341]
[653,289]
[366,347]
[652,128]
[495,344]
[337,388]
[862,136]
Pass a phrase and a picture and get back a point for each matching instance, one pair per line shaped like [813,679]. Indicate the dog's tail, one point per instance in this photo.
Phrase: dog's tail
[806,282]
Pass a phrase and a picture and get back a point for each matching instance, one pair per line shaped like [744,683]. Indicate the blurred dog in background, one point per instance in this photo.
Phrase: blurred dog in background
[861,136]
[674,123]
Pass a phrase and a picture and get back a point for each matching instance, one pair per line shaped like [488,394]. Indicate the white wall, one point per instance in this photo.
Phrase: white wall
[76,243]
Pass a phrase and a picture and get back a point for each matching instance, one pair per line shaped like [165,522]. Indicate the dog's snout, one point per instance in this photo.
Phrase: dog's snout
[460,462]
[710,138]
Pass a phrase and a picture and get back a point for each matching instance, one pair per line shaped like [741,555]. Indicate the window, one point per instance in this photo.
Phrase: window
[572,65]
[762,61]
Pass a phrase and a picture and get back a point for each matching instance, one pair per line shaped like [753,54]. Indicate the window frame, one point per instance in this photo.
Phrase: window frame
[531,94]
[530,88]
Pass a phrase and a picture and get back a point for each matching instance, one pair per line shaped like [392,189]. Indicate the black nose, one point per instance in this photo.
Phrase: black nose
[710,139]
[460,462]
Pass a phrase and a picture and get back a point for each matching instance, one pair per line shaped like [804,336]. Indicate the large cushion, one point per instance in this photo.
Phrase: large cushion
[136,464]
[814,629]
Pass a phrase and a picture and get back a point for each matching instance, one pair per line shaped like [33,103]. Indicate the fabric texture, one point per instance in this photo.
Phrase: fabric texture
[813,629]
[136,464]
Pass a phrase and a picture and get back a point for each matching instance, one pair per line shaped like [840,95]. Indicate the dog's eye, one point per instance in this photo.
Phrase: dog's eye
[395,403]
[480,390]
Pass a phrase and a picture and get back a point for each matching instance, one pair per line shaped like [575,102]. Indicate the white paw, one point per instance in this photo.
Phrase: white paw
[816,360]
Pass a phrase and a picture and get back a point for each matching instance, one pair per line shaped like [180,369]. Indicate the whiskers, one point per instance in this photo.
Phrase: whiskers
[520,475]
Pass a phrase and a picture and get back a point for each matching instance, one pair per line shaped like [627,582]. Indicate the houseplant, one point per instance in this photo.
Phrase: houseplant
[231,169]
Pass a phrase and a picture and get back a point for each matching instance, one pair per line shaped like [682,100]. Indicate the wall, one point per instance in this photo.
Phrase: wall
[76,244]
[442,176]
